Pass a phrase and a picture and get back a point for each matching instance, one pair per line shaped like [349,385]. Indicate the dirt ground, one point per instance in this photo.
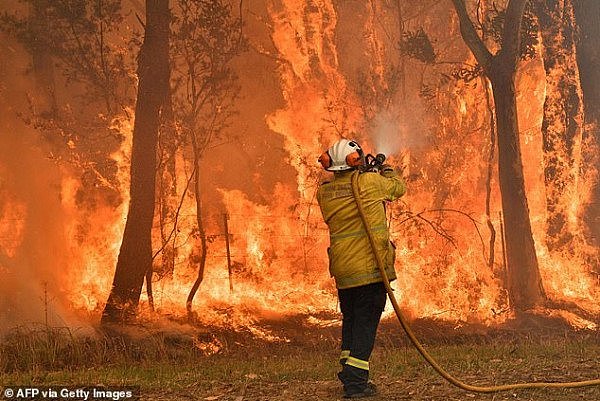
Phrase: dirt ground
[388,389]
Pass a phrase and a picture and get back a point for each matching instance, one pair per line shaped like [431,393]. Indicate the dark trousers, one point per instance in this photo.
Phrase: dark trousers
[361,309]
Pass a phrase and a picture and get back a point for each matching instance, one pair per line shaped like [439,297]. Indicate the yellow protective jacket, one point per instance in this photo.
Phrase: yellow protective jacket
[351,259]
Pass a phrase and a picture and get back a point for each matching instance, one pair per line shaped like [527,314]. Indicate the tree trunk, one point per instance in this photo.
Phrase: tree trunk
[587,16]
[200,222]
[524,281]
[167,205]
[563,118]
[490,172]
[135,256]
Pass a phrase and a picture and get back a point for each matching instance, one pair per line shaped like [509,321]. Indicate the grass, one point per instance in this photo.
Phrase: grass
[174,366]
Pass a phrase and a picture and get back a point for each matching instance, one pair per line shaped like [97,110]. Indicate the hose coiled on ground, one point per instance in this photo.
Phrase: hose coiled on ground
[436,366]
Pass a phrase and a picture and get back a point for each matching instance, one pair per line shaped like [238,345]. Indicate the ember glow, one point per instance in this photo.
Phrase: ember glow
[277,240]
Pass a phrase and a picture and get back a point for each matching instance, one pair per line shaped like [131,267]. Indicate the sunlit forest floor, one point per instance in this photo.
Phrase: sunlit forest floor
[298,362]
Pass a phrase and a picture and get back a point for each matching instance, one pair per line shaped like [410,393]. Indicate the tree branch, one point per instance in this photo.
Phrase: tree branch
[440,230]
[511,35]
[470,36]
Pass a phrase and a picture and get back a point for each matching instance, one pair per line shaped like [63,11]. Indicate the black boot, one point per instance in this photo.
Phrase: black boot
[369,390]
[356,382]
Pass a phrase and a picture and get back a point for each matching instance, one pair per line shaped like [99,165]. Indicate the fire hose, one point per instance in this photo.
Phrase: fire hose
[434,364]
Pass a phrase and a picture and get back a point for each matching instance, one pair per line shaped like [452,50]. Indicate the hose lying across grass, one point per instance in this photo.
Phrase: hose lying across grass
[439,369]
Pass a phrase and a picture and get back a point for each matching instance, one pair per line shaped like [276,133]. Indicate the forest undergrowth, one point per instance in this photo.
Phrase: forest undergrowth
[292,360]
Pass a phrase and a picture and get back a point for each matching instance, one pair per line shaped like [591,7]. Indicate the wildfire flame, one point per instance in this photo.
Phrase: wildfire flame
[277,251]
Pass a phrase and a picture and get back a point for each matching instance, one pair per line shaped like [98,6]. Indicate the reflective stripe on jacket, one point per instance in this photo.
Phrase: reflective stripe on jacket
[351,259]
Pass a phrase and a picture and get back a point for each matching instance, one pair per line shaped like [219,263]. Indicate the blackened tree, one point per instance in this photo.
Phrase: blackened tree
[524,280]
[135,255]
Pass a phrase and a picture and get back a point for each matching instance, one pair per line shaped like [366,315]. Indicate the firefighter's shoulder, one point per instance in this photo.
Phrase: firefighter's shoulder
[369,176]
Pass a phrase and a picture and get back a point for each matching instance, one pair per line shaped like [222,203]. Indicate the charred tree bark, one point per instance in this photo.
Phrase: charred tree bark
[524,280]
[563,117]
[587,15]
[135,255]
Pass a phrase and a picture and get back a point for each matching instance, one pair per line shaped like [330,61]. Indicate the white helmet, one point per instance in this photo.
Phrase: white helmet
[345,154]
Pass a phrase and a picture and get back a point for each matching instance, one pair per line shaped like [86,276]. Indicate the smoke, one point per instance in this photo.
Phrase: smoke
[31,270]
[398,132]
[33,248]
[387,134]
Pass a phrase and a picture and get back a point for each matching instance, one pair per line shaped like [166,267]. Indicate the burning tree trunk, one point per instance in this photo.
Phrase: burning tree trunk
[524,281]
[135,256]
[563,116]
[587,15]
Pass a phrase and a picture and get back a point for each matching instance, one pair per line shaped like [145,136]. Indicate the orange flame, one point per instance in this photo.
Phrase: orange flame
[278,248]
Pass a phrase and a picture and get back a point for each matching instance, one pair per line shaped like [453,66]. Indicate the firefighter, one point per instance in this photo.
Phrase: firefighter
[352,263]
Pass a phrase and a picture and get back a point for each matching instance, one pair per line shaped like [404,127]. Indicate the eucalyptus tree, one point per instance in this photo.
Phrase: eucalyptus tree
[524,280]
[135,255]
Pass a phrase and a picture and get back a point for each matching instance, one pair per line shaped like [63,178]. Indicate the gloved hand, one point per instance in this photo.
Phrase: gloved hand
[388,171]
